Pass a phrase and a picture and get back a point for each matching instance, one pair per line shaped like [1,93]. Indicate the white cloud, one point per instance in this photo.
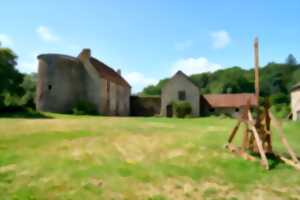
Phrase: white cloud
[28,65]
[194,66]
[181,46]
[6,40]
[220,39]
[45,34]
[138,81]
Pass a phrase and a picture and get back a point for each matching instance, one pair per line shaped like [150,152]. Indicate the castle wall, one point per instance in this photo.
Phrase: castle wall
[63,81]
[60,83]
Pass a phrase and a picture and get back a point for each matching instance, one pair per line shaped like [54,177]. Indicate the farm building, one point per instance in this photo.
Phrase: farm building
[295,102]
[64,81]
[228,104]
[179,87]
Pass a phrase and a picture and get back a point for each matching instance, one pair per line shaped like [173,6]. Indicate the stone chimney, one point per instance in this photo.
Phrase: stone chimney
[119,72]
[85,55]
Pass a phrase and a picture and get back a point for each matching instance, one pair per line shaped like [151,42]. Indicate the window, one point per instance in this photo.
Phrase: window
[237,110]
[181,95]
[211,110]
[49,87]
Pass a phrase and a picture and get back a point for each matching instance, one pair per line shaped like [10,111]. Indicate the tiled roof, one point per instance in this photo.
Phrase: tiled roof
[104,71]
[295,87]
[230,100]
[108,73]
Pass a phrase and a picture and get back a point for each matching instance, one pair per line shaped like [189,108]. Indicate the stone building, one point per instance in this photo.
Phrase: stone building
[179,87]
[227,104]
[295,102]
[63,81]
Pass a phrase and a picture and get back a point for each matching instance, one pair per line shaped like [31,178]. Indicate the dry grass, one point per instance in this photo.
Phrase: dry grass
[69,157]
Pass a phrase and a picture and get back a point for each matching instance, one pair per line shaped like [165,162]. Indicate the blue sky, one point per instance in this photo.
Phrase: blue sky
[150,40]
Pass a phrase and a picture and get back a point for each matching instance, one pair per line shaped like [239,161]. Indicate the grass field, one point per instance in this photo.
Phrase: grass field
[80,157]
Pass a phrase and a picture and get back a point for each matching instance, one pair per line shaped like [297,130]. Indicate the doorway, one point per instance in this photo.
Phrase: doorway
[169,110]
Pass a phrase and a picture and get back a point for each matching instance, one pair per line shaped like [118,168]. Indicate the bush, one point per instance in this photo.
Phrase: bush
[182,109]
[281,110]
[84,108]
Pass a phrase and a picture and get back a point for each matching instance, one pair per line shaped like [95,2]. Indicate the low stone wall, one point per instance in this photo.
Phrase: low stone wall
[145,106]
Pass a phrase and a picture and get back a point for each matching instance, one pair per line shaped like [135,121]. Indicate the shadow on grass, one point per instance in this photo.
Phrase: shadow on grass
[274,159]
[25,115]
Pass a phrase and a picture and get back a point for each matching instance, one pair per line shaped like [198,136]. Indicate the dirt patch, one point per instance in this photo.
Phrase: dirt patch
[8,168]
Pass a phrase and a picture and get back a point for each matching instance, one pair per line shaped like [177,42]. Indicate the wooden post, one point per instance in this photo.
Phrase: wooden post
[246,137]
[256,70]
[283,139]
[259,143]
[256,61]
[234,131]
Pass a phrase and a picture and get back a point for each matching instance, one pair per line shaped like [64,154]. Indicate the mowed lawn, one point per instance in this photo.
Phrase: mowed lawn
[81,157]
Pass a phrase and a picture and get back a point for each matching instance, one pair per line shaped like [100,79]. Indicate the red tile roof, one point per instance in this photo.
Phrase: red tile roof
[108,73]
[230,100]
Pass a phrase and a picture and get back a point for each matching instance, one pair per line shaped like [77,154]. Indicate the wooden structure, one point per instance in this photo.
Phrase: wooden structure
[257,138]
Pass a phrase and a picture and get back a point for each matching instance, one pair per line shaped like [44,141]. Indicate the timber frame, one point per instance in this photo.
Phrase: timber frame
[257,136]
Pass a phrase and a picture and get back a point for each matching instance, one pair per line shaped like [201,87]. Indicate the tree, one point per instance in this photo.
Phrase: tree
[10,78]
[29,86]
[291,60]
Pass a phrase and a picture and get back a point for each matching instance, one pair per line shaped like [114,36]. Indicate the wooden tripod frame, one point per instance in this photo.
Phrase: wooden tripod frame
[257,134]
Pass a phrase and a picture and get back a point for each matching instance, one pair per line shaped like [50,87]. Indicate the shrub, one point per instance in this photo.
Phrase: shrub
[84,108]
[182,109]
[281,110]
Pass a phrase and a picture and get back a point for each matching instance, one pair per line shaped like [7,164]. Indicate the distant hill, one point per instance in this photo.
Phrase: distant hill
[276,81]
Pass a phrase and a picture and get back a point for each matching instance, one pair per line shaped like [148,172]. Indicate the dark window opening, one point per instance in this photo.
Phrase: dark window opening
[237,110]
[49,87]
[211,110]
[181,95]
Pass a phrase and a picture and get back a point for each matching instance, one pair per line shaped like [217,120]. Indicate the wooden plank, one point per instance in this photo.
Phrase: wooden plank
[234,131]
[290,162]
[283,138]
[239,152]
[256,62]
[259,144]
[246,137]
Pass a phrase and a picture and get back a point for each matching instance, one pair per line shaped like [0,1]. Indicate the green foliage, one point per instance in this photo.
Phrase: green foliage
[10,79]
[84,108]
[291,60]
[276,80]
[29,86]
[155,89]
[182,109]
[281,110]
[279,98]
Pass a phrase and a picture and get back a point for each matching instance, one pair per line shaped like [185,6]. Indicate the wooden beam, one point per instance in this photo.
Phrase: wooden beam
[246,137]
[259,143]
[283,138]
[234,131]
[256,62]
[240,152]
[290,162]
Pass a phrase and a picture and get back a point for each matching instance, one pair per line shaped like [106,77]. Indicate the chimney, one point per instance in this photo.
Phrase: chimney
[119,72]
[85,55]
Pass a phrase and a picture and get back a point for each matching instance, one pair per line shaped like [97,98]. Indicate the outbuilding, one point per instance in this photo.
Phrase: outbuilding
[295,102]
[179,88]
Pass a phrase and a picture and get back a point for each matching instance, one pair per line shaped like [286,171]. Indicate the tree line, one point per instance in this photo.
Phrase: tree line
[276,81]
